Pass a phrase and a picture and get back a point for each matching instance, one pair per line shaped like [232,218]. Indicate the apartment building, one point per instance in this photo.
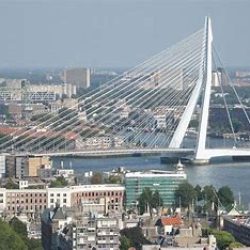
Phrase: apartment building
[26,201]
[72,229]
[100,198]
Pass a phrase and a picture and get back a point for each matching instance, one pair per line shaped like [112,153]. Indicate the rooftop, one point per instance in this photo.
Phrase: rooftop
[155,173]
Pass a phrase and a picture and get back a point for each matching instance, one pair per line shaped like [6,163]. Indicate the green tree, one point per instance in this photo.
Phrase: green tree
[210,198]
[113,179]
[9,239]
[223,238]
[156,200]
[19,227]
[135,236]
[149,199]
[226,197]
[125,243]
[34,244]
[198,191]
[96,178]
[185,194]
[59,182]
[144,200]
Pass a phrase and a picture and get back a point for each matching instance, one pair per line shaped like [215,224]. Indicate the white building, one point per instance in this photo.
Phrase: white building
[60,196]
[66,173]
[2,165]
[216,79]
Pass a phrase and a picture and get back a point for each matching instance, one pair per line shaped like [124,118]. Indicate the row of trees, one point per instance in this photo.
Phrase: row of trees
[206,199]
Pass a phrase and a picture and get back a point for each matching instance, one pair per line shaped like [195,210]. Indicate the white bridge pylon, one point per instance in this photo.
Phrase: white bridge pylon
[203,83]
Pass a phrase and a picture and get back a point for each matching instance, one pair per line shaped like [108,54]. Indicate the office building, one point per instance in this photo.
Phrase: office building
[166,182]
[80,77]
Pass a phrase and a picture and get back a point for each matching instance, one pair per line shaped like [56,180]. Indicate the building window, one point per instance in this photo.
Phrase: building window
[51,200]
[64,200]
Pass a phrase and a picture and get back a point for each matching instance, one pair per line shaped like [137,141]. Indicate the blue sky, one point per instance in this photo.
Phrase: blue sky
[115,33]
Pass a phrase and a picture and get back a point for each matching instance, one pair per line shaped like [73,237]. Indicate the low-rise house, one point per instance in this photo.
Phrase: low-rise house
[167,225]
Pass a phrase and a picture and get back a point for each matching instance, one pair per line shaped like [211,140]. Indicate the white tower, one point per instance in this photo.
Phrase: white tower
[203,83]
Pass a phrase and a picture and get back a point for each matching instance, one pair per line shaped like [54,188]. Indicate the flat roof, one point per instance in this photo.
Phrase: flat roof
[156,173]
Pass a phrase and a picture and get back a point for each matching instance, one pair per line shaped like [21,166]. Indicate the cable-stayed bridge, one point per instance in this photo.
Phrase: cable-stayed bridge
[146,110]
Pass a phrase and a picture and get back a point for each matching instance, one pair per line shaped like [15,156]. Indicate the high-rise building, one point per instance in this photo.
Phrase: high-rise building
[80,77]
[216,78]
[166,182]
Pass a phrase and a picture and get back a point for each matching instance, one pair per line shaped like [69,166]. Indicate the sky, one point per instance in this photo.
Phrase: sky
[115,33]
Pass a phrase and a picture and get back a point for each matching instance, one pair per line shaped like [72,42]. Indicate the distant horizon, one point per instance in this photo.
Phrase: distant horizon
[43,68]
[115,33]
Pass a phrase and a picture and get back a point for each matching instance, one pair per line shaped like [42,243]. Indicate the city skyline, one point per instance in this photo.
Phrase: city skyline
[114,33]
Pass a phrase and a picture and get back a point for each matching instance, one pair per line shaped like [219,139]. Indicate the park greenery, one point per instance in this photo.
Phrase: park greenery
[14,236]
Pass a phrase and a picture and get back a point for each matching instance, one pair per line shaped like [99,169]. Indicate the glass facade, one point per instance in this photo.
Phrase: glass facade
[165,183]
